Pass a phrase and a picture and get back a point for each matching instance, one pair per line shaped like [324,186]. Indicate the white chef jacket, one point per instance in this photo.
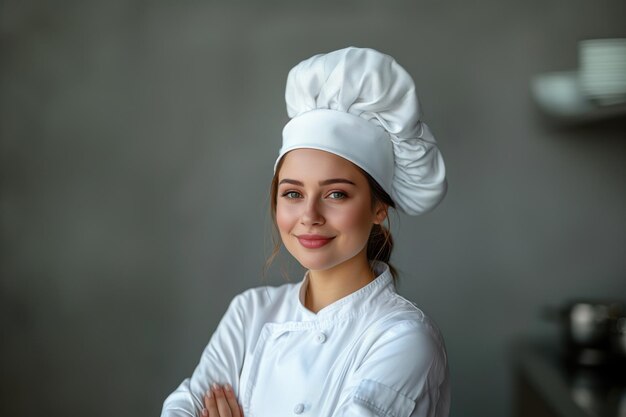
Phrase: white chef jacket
[370,353]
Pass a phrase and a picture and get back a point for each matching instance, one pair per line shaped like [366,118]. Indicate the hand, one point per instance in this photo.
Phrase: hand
[221,402]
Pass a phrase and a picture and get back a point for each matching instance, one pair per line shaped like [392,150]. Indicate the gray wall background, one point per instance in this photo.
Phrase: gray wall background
[137,145]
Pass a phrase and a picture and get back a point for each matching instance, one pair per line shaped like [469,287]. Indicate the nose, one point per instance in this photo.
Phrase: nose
[311,214]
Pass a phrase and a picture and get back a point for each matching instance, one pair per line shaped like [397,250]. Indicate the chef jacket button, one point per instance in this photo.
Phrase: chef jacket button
[299,408]
[321,338]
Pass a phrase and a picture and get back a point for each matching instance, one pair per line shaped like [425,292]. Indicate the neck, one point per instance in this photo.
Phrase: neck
[327,286]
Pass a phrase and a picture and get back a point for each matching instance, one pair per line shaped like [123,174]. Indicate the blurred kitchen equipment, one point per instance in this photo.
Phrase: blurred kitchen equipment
[593,91]
[592,330]
[559,93]
[602,65]
[618,338]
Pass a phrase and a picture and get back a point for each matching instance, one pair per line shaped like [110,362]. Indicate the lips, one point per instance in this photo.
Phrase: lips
[314,241]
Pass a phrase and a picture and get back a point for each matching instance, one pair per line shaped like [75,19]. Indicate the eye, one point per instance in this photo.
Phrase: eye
[291,194]
[337,195]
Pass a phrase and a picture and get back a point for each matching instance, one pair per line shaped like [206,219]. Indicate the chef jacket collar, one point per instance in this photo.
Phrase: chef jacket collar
[353,303]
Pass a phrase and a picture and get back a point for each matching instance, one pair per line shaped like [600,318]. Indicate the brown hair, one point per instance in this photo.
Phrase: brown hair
[379,243]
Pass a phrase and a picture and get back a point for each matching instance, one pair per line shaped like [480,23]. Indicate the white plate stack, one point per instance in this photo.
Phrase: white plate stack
[602,70]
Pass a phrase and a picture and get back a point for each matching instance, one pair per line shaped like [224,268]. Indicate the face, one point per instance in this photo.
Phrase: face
[324,209]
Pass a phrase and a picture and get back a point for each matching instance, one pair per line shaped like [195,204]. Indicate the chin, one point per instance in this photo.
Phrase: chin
[315,264]
[319,262]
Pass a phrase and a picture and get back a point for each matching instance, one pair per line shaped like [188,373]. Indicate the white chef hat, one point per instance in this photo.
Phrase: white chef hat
[360,104]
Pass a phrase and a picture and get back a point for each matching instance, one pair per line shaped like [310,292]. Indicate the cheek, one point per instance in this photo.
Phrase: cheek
[357,219]
[285,218]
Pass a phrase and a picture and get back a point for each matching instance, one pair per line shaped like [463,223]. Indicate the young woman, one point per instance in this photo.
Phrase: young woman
[341,342]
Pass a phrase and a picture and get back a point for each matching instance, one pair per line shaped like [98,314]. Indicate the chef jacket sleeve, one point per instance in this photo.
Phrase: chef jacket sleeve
[403,374]
[221,362]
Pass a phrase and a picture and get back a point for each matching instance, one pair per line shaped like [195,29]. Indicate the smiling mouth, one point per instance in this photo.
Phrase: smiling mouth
[314,242]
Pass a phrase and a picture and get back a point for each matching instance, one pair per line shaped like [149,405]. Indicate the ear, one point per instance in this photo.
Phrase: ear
[380,213]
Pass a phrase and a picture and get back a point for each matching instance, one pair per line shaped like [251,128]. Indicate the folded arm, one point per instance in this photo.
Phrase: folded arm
[221,363]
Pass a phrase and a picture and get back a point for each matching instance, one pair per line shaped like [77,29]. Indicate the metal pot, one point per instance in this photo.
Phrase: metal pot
[589,330]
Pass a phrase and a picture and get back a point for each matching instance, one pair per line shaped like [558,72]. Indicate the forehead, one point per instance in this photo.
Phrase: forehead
[316,163]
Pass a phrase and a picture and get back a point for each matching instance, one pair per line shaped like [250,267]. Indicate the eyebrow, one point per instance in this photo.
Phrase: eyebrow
[325,182]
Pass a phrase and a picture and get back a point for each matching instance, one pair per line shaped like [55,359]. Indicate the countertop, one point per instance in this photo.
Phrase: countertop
[546,384]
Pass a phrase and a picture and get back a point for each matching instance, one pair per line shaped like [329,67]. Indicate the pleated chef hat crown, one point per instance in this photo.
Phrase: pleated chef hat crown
[360,104]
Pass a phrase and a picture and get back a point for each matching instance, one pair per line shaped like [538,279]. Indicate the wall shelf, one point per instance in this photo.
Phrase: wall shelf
[558,95]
